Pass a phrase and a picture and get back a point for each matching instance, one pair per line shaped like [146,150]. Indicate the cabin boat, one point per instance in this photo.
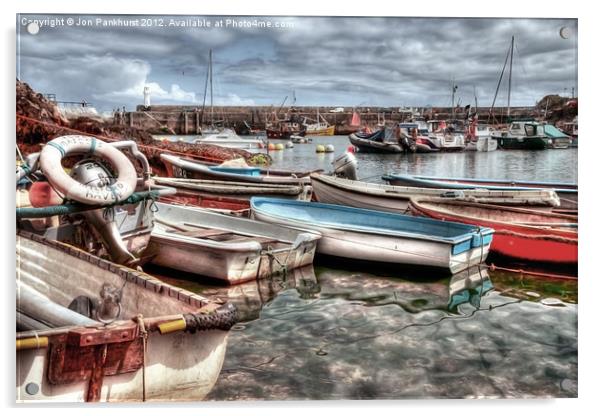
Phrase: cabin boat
[445,137]
[229,138]
[320,127]
[340,191]
[380,237]
[189,169]
[83,324]
[284,128]
[559,139]
[481,139]
[521,234]
[523,135]
[230,249]
[567,192]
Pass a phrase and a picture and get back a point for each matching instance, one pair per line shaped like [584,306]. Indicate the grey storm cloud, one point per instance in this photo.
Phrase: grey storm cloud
[386,61]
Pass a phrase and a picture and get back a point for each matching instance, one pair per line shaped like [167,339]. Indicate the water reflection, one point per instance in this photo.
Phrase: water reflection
[334,334]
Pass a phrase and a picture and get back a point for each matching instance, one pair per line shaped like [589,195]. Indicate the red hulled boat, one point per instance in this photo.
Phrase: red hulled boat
[522,234]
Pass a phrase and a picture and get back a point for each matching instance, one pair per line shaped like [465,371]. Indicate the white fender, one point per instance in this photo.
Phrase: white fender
[57,149]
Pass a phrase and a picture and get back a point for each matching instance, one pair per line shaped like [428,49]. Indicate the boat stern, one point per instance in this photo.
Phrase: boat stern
[471,251]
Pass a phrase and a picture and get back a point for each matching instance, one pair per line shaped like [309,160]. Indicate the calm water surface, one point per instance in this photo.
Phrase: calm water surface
[332,332]
[547,165]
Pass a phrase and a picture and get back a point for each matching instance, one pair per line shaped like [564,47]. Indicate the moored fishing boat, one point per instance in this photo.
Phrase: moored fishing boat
[519,233]
[380,236]
[188,169]
[523,135]
[319,127]
[227,248]
[378,142]
[567,192]
[445,137]
[92,330]
[479,138]
[333,190]
[229,138]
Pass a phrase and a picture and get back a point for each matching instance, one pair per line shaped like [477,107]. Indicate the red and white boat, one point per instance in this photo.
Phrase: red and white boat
[522,234]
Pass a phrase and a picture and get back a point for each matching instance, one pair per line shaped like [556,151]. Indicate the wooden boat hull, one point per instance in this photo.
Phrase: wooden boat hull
[179,365]
[383,246]
[567,193]
[180,168]
[332,190]
[267,250]
[512,239]
[372,146]
[328,131]
[235,190]
[229,206]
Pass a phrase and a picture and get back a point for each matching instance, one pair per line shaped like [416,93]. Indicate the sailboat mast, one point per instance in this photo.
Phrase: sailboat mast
[211,82]
[453,97]
[497,89]
[510,78]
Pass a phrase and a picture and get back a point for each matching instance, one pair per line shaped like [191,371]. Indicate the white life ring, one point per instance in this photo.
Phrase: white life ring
[57,149]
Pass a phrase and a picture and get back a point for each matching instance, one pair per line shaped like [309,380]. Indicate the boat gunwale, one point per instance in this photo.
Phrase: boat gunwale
[208,185]
[385,190]
[562,186]
[276,233]
[141,279]
[201,168]
[418,204]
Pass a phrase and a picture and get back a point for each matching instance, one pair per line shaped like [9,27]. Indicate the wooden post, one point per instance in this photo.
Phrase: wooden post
[196,123]
[131,119]
[185,122]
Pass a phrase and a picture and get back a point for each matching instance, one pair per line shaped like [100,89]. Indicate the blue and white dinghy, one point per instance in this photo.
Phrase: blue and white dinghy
[370,235]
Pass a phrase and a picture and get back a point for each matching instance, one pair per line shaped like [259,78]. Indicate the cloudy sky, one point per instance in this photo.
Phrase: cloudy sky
[327,61]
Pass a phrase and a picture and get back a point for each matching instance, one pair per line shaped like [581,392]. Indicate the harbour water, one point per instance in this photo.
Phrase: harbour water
[548,165]
[333,331]
[552,165]
[336,333]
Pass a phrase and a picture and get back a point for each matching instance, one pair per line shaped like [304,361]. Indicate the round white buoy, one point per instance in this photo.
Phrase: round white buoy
[329,148]
[320,148]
